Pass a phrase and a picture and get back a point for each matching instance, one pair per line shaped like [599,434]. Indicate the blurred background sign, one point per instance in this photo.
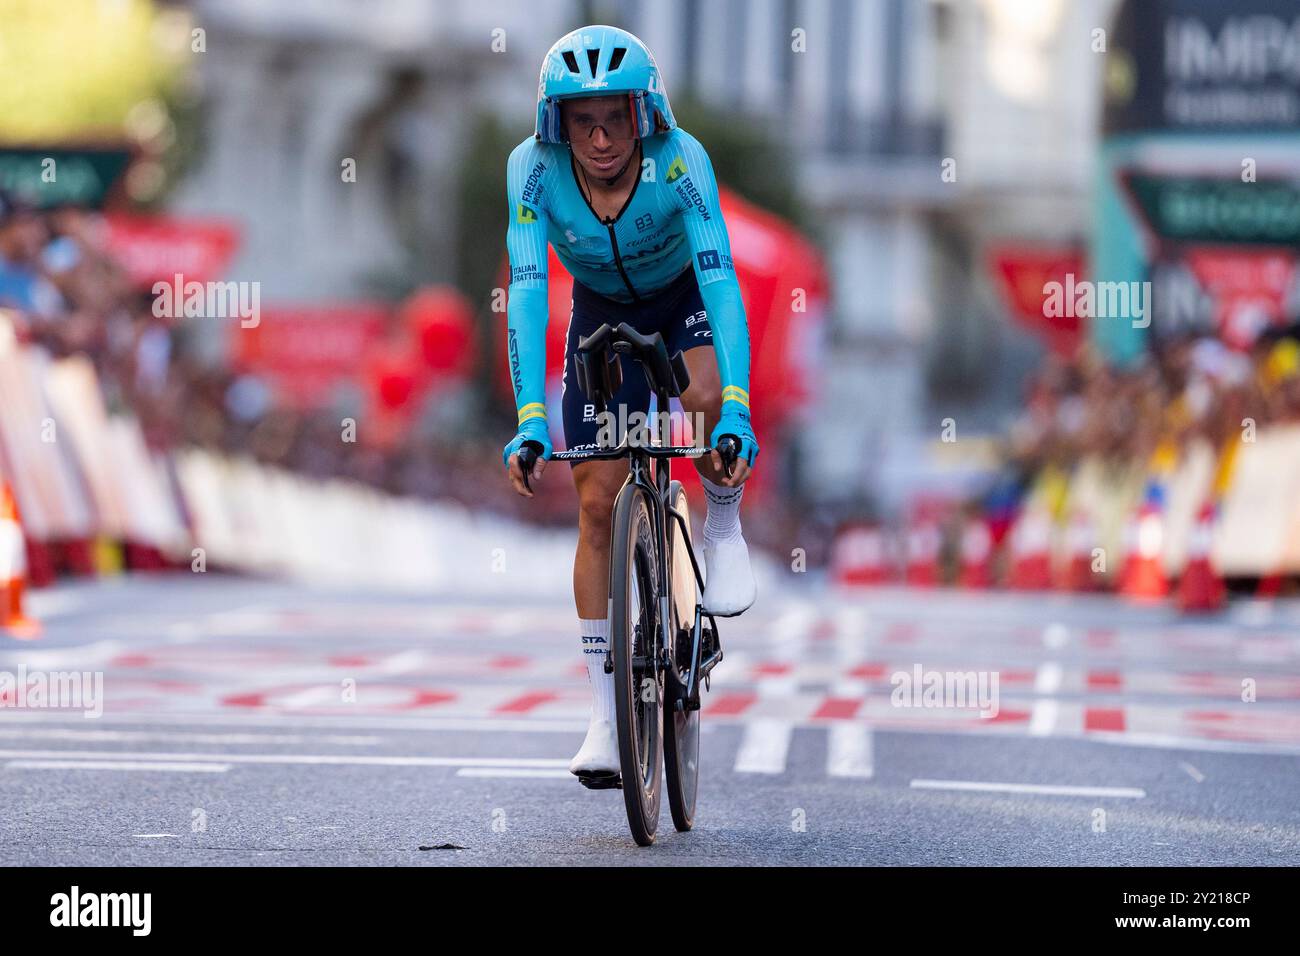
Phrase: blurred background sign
[1023,273]
[60,176]
[1203,65]
[1201,145]
[1203,209]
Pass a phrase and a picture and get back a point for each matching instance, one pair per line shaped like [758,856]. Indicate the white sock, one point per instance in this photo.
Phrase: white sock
[722,522]
[595,644]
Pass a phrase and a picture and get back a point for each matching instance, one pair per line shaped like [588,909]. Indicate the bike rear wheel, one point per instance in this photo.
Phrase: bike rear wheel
[638,677]
[681,724]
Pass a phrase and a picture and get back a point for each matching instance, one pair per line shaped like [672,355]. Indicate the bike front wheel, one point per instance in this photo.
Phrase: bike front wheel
[638,675]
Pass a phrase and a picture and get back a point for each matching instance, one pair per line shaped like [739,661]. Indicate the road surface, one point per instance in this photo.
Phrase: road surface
[270,723]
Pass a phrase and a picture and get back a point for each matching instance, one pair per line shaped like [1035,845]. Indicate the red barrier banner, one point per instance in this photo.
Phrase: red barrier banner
[305,351]
[158,248]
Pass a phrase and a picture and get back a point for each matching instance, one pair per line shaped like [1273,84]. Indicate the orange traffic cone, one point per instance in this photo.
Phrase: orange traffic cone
[1201,588]
[1031,558]
[858,556]
[13,571]
[976,552]
[1143,576]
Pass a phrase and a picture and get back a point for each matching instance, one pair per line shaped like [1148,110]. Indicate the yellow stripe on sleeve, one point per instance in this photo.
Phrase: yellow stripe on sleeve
[531,410]
[735,393]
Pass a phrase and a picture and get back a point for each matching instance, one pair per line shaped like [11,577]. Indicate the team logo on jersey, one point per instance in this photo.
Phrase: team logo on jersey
[676,171]
[709,259]
[525,214]
[644,222]
[532,191]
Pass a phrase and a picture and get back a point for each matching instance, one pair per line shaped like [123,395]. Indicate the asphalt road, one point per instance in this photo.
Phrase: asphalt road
[259,723]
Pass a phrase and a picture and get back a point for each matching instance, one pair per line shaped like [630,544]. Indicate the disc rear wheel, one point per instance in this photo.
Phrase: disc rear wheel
[681,724]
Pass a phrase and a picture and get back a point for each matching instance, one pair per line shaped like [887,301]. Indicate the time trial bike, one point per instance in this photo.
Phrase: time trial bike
[663,643]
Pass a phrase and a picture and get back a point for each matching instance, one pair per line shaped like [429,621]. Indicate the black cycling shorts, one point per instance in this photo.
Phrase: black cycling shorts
[676,312]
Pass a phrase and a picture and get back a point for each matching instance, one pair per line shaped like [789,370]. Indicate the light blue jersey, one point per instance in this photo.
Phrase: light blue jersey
[671,221]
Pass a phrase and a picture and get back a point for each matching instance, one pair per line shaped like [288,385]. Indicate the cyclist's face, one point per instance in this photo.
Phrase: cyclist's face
[599,129]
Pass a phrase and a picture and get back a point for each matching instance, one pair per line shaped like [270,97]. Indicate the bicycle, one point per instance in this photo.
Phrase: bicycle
[661,650]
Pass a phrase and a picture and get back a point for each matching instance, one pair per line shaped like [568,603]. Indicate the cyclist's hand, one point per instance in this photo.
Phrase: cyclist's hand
[511,455]
[740,470]
[735,423]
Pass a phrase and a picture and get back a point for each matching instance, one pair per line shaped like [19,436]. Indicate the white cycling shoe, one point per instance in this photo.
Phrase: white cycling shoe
[598,756]
[729,587]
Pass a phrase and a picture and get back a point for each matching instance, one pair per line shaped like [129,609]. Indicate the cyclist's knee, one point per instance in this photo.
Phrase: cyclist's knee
[704,395]
[596,493]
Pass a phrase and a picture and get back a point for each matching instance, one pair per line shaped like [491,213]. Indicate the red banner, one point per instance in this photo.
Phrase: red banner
[306,351]
[1249,288]
[1022,273]
[153,248]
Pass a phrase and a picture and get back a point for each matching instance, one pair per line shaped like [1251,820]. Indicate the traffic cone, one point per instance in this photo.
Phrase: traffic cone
[13,571]
[1080,540]
[1143,576]
[1201,588]
[858,556]
[976,553]
[1031,558]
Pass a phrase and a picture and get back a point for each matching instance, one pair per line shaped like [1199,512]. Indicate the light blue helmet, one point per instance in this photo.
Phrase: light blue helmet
[600,61]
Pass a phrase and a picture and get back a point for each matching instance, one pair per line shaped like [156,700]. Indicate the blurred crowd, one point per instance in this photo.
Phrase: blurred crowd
[62,290]
[65,292]
[1184,389]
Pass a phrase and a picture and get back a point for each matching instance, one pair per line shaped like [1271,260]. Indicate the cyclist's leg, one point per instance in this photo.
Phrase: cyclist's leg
[729,581]
[686,329]
[597,484]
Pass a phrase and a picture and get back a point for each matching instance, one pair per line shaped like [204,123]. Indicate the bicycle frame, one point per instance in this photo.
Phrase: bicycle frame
[656,482]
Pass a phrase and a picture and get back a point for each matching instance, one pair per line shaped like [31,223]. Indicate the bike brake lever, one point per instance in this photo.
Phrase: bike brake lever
[528,453]
[729,449]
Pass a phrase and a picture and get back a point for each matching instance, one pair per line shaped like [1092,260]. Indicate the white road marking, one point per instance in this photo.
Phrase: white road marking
[849,750]
[1052,790]
[313,696]
[156,765]
[764,746]
[1043,717]
[311,759]
[514,772]
[1056,636]
[1048,678]
[100,736]
[316,721]
[1170,742]
[82,657]
[404,662]
[1192,772]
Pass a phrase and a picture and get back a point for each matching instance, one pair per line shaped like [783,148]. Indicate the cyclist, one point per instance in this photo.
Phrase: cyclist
[630,204]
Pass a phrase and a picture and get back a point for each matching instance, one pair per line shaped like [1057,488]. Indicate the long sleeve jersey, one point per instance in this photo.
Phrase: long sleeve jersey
[671,220]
